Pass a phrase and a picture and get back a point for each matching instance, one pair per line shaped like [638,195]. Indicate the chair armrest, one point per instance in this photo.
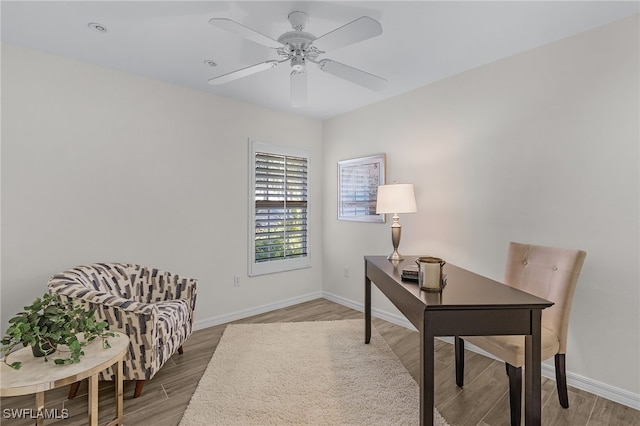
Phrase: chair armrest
[167,286]
[187,288]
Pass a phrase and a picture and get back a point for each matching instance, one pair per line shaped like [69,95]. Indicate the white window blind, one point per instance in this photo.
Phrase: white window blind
[280,215]
[358,193]
[358,181]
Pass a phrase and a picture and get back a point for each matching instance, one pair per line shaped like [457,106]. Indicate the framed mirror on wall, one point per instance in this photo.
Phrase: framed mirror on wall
[358,181]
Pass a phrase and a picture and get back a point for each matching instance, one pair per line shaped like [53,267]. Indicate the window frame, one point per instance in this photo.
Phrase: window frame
[277,265]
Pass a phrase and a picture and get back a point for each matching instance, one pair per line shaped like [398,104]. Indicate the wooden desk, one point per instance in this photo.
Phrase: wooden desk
[469,305]
[37,376]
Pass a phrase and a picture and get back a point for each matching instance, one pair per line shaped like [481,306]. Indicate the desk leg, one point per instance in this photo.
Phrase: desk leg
[119,393]
[367,307]
[40,408]
[532,372]
[93,399]
[427,399]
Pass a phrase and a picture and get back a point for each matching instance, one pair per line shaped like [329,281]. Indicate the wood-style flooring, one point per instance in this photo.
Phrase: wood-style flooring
[482,402]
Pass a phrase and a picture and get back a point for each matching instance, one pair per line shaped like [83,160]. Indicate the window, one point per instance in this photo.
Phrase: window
[279,225]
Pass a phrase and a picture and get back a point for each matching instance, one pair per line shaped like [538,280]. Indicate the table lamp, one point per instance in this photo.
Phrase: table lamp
[396,198]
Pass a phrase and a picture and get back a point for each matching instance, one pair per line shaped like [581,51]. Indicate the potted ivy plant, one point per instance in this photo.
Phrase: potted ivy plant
[50,322]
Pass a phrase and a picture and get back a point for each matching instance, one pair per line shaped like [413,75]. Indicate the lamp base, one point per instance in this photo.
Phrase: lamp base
[396,231]
[395,256]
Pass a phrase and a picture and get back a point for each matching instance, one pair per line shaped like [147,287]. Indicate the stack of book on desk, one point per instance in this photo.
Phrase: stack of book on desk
[410,273]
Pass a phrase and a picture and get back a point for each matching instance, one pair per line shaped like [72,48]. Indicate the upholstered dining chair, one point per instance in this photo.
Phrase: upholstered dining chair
[549,273]
[154,308]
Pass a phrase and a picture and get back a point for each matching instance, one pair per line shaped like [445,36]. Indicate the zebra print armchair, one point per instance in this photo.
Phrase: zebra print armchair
[154,308]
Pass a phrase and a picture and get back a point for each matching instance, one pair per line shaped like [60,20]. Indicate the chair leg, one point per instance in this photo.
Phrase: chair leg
[180,350]
[459,352]
[139,386]
[73,389]
[561,380]
[515,393]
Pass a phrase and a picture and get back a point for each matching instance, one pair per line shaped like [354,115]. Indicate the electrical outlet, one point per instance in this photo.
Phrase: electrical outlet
[236,280]
[346,272]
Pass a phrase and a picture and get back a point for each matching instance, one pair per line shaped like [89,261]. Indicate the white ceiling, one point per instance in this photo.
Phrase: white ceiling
[422,41]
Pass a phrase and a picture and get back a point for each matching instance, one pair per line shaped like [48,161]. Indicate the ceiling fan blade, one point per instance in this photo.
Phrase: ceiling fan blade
[244,31]
[298,88]
[234,75]
[353,32]
[353,75]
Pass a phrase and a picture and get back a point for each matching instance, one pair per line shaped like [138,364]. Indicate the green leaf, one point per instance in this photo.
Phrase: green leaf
[35,306]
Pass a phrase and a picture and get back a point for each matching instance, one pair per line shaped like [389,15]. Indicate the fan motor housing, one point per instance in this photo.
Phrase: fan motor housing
[297,40]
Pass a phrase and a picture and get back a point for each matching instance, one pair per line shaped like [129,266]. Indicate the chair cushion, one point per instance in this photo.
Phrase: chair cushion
[511,348]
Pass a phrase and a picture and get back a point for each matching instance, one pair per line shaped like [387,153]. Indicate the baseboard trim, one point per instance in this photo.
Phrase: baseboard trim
[378,313]
[595,387]
[245,313]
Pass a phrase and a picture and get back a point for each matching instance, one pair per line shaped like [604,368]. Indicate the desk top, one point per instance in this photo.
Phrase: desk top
[36,375]
[464,289]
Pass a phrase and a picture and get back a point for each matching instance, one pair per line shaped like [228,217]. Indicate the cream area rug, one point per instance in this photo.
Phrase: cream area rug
[304,373]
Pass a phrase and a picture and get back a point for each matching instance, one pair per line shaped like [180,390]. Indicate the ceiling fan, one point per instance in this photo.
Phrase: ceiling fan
[299,47]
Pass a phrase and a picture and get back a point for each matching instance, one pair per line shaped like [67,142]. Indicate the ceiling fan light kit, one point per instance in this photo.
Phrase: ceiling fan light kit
[298,48]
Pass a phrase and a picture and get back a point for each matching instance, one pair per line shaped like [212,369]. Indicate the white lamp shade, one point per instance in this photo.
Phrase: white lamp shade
[396,198]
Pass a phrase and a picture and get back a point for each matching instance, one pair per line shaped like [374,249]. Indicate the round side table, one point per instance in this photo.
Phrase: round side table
[37,376]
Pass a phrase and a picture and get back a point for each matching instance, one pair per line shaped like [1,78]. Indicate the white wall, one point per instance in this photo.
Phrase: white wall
[101,166]
[542,147]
